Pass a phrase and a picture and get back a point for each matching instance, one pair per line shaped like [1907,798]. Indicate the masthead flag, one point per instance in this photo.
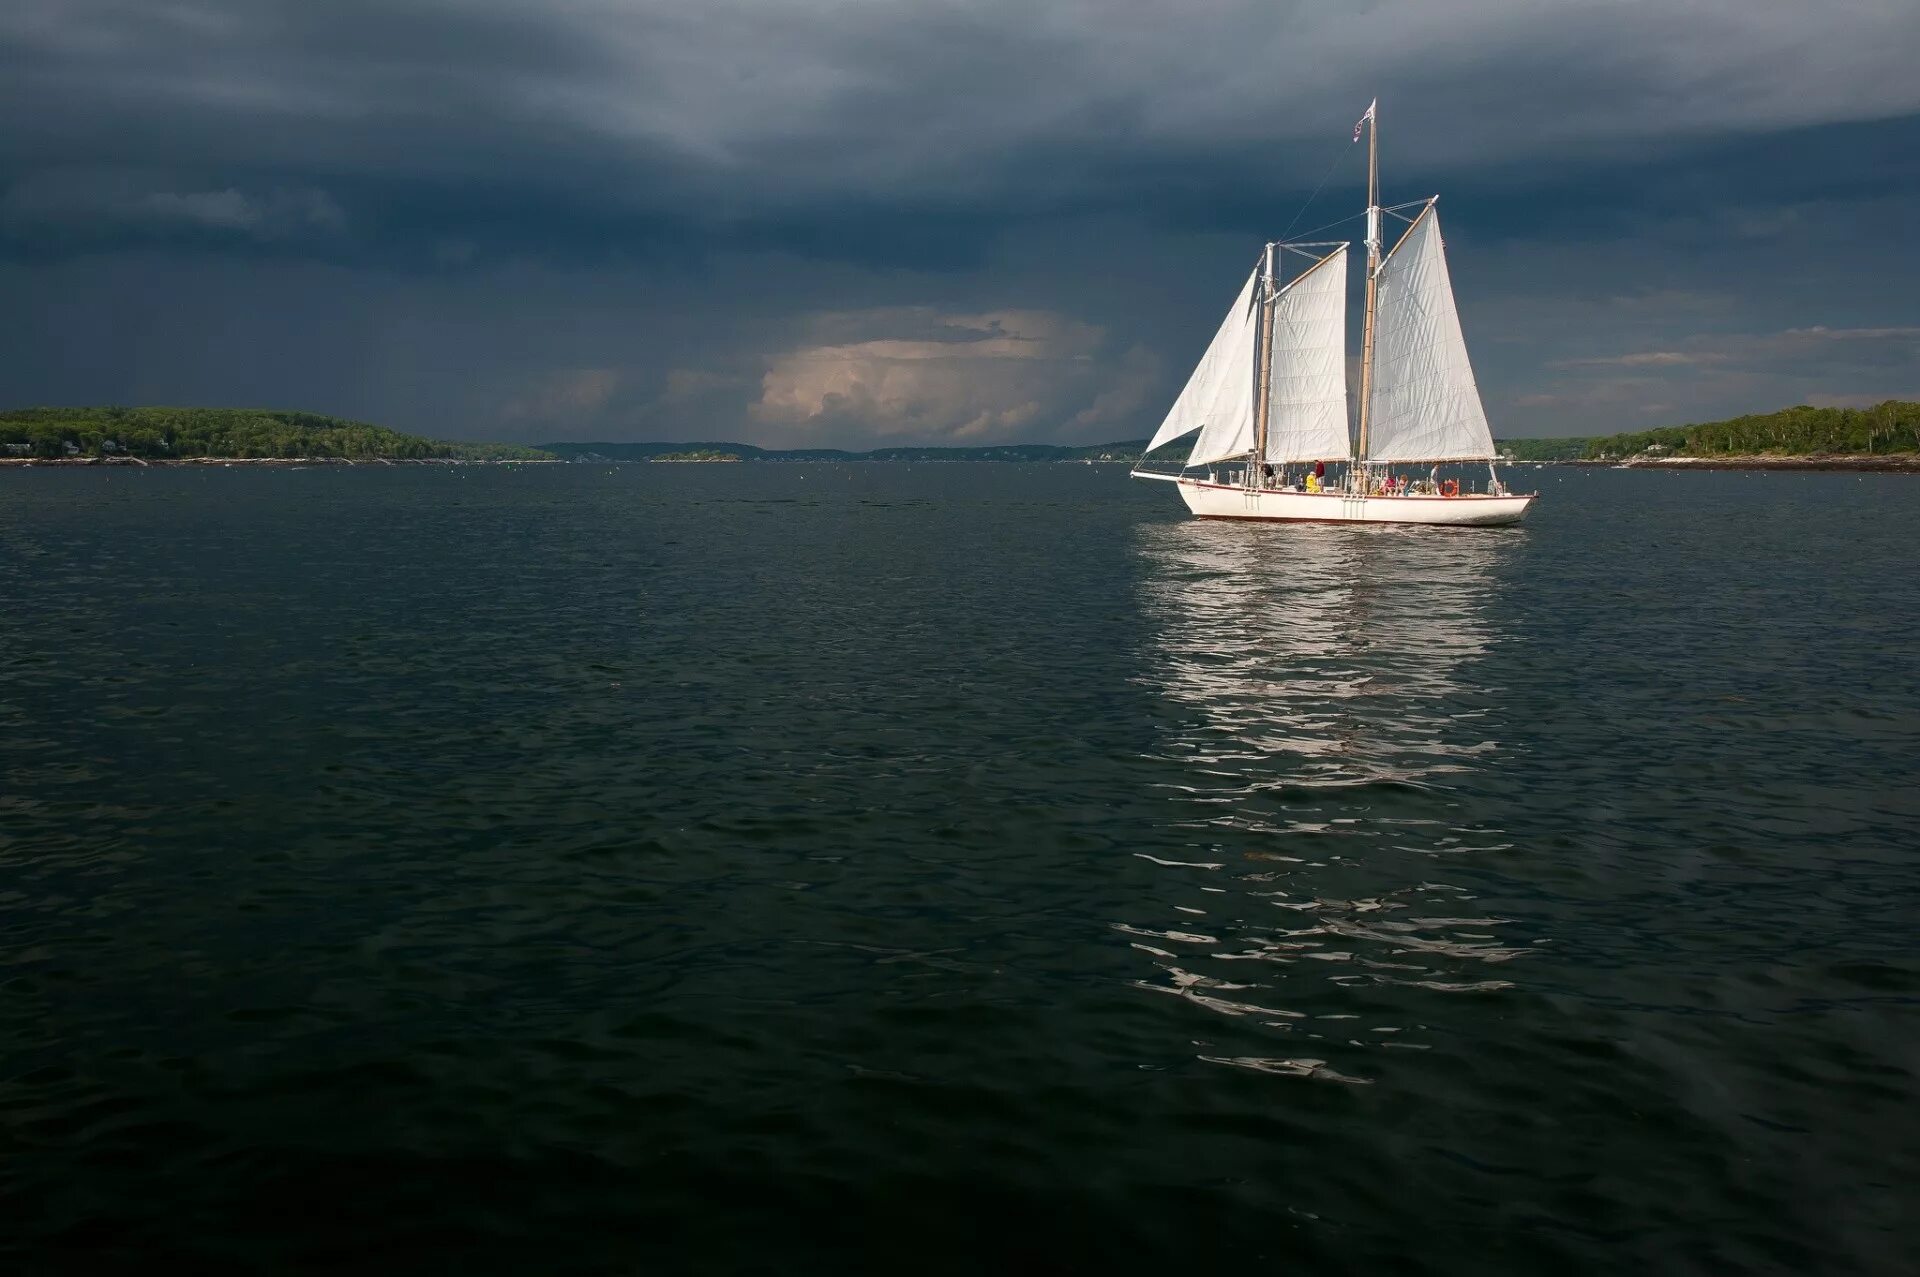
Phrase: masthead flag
[1363,119]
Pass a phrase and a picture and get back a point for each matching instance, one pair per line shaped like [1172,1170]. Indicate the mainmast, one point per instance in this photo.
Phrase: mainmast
[1263,375]
[1372,120]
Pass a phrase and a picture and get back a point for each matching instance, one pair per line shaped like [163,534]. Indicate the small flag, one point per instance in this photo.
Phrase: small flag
[1363,119]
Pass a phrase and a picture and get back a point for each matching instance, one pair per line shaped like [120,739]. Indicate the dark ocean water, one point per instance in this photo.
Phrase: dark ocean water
[948,868]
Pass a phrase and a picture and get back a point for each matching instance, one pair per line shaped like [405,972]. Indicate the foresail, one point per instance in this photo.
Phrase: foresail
[1226,412]
[1424,404]
[1221,386]
[1307,403]
[1230,432]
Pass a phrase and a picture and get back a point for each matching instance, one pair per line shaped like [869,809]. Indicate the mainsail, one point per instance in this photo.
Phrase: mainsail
[1219,395]
[1307,401]
[1424,405]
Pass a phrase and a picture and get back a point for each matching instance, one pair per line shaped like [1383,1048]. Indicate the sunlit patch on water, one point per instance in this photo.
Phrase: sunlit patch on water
[1286,1067]
[1327,697]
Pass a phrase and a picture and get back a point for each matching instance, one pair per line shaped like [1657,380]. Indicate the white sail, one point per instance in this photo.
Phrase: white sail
[1424,405]
[1230,432]
[1307,403]
[1226,412]
[1220,392]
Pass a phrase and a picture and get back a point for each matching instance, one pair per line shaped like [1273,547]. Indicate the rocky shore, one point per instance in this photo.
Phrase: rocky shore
[1895,461]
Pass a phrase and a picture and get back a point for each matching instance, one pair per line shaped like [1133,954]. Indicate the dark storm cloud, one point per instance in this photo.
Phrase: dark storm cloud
[646,210]
[728,115]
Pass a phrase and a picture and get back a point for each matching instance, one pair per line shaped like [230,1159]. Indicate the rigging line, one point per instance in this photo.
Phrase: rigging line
[1316,190]
[1330,225]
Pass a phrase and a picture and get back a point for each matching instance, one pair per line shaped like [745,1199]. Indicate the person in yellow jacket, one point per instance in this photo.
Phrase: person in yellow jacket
[1313,483]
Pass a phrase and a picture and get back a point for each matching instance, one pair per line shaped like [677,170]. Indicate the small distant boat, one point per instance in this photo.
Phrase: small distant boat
[1269,397]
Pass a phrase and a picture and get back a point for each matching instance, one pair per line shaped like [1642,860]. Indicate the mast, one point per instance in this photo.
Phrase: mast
[1263,376]
[1372,121]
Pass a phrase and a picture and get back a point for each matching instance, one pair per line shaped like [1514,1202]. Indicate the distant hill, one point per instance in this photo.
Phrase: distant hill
[185,433]
[1127,451]
[1887,428]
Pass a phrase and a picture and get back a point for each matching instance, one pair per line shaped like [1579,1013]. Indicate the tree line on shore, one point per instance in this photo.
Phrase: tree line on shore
[186,433]
[1890,427]
[1886,428]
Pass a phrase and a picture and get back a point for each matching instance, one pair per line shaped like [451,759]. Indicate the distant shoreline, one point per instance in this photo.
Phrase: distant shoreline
[277,461]
[1890,463]
[1893,462]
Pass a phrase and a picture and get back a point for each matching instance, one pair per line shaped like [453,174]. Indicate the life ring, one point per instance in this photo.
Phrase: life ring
[1449,487]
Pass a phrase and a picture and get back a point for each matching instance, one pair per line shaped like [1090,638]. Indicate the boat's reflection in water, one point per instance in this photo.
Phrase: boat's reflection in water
[1328,725]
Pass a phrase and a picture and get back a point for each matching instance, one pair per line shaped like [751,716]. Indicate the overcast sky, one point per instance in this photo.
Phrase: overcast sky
[848,222]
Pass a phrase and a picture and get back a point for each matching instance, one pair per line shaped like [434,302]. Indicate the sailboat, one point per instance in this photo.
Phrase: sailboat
[1269,397]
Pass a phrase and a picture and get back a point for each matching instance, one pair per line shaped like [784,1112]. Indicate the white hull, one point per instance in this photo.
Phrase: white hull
[1230,501]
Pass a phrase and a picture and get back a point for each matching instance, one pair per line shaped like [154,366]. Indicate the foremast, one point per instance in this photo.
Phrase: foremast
[1372,122]
[1262,374]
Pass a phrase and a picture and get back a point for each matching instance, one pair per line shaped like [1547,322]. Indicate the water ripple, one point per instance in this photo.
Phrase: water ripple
[1326,700]
[752,868]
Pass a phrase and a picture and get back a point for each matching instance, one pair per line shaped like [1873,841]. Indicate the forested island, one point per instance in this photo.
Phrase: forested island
[201,434]
[1887,434]
[698,454]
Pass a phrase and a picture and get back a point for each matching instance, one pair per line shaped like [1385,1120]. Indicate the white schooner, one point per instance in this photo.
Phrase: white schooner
[1269,397]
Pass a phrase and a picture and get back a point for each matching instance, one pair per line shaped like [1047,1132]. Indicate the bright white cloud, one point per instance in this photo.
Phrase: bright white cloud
[961,378]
